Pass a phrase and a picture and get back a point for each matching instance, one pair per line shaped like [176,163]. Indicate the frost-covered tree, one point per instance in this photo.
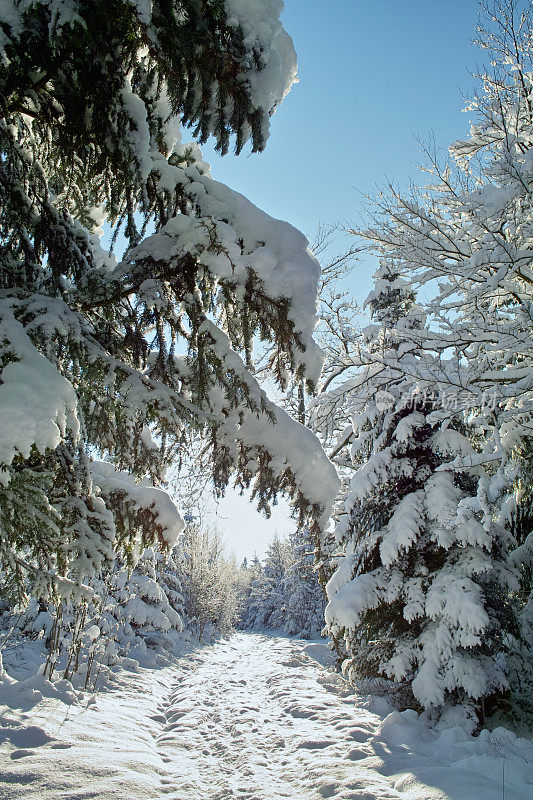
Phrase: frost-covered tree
[120,358]
[429,583]
[211,584]
[265,607]
[304,596]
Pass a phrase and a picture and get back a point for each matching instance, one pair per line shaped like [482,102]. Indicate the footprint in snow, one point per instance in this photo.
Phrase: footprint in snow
[360,735]
[328,789]
[315,745]
[357,754]
[32,736]
[300,713]
[21,754]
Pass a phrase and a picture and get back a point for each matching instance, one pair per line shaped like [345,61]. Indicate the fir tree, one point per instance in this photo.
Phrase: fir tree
[266,602]
[124,359]
[141,605]
[304,597]
[420,595]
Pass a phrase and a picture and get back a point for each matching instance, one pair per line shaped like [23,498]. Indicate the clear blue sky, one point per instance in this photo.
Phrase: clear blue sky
[373,75]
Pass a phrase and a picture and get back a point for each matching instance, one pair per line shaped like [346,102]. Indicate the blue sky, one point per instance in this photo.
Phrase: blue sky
[374,74]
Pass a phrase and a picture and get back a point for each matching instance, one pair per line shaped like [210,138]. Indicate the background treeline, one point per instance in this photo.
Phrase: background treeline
[196,593]
[283,592]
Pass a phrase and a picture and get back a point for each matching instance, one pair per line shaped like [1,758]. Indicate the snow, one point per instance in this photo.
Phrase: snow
[10,15]
[37,404]
[347,603]
[108,480]
[259,20]
[139,132]
[252,717]
[403,527]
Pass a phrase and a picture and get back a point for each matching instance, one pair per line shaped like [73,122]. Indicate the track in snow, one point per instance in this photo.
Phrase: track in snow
[252,717]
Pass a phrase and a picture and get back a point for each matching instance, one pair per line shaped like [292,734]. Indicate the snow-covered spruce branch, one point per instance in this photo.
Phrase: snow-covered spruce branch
[118,360]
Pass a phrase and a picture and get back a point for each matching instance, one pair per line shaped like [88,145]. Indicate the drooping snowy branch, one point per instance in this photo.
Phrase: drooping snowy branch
[134,353]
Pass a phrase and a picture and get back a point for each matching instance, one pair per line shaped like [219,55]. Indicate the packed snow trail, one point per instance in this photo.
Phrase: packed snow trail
[252,717]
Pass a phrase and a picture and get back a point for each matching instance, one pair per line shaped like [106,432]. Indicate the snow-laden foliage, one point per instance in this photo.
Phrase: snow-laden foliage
[140,603]
[119,359]
[163,602]
[128,614]
[419,594]
[139,509]
[431,557]
[284,592]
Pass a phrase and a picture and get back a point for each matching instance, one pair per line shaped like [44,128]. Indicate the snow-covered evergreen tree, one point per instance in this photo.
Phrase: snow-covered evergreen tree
[253,573]
[420,594]
[284,592]
[167,576]
[304,596]
[141,605]
[119,358]
[467,240]
[429,585]
[265,607]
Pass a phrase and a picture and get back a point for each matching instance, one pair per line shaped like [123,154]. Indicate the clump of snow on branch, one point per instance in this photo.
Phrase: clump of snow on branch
[141,496]
[262,28]
[38,405]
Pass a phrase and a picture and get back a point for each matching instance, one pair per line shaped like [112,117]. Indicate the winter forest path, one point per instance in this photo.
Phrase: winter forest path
[251,717]
[266,724]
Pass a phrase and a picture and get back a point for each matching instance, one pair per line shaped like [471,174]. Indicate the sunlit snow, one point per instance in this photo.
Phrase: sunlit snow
[251,717]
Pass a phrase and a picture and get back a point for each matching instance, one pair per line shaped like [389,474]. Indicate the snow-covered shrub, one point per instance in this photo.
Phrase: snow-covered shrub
[140,604]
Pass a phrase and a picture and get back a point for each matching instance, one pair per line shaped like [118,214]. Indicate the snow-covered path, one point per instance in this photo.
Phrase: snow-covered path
[253,717]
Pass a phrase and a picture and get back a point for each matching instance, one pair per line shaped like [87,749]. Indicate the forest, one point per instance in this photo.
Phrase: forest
[162,340]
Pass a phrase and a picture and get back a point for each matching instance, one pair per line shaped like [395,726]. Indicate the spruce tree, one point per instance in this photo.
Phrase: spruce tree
[266,603]
[140,604]
[420,594]
[125,358]
[304,596]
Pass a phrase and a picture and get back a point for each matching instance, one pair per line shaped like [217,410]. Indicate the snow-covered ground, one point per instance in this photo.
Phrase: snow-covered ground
[253,717]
